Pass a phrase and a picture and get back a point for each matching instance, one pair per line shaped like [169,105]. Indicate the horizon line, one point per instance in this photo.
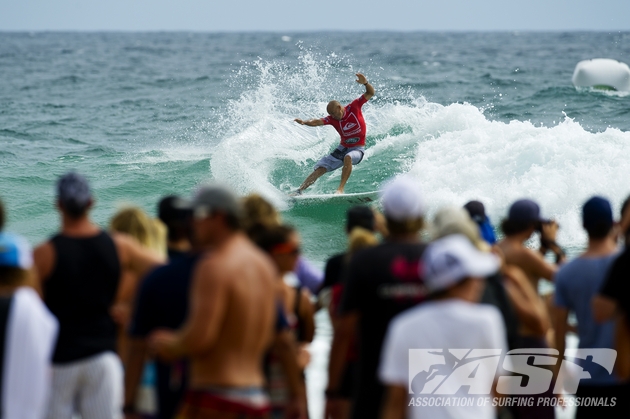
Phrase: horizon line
[313,31]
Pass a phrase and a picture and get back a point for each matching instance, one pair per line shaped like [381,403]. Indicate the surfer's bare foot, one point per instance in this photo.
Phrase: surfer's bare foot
[339,192]
[296,192]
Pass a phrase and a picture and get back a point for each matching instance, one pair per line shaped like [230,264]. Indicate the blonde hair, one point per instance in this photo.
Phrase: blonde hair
[360,238]
[258,211]
[150,233]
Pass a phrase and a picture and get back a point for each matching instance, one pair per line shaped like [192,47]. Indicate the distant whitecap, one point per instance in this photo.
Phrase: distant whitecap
[286,38]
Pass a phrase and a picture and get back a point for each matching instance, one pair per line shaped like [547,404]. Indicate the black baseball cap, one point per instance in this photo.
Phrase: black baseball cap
[476,210]
[73,191]
[597,211]
[526,211]
[360,216]
[168,212]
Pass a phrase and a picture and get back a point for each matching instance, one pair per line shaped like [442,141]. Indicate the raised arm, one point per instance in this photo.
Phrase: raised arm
[317,122]
[369,89]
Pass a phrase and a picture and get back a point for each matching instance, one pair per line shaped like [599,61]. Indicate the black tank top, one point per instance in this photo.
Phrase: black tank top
[80,293]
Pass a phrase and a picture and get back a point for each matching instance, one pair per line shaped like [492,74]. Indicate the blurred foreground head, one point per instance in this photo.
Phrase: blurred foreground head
[176,220]
[217,212]
[477,212]
[403,205]
[597,217]
[150,233]
[16,259]
[452,260]
[360,216]
[451,220]
[282,244]
[258,215]
[74,197]
[523,215]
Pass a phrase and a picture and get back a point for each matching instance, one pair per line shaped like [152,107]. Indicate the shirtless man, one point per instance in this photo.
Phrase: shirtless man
[231,317]
[523,220]
[349,123]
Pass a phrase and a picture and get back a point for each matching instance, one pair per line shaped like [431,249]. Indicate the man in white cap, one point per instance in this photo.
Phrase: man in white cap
[451,319]
[27,335]
[381,282]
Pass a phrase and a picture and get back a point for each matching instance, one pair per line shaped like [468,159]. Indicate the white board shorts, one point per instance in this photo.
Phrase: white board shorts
[334,160]
[91,387]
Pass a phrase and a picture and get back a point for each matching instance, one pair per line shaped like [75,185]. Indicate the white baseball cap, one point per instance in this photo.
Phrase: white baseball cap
[402,199]
[453,258]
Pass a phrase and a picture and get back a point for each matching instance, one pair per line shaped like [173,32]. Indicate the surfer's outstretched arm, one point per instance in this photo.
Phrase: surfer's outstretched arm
[369,89]
[311,122]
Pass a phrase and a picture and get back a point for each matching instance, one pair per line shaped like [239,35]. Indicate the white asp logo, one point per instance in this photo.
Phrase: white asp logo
[451,371]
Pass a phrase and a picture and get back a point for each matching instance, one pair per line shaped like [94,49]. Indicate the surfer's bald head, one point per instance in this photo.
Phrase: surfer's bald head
[335,109]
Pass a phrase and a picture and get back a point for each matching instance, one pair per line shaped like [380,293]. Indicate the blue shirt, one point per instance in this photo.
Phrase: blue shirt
[577,282]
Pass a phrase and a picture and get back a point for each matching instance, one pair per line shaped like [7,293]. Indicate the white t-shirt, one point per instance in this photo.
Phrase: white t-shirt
[31,333]
[474,336]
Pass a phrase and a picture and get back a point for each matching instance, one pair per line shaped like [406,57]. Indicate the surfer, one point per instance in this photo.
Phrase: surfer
[349,123]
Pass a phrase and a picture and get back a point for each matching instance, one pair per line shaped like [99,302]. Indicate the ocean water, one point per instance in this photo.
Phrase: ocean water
[488,116]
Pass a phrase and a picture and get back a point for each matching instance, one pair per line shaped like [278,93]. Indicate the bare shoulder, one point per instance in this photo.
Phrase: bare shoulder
[44,259]
[251,262]
[241,258]
[45,249]
[518,254]
[210,265]
[124,244]
[121,239]
[532,255]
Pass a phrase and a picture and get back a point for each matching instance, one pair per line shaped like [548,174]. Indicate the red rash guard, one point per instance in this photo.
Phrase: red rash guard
[351,128]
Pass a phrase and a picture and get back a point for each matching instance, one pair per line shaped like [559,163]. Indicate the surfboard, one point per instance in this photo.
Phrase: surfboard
[361,198]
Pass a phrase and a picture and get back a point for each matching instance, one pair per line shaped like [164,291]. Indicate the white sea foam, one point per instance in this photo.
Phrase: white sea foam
[466,156]
[456,152]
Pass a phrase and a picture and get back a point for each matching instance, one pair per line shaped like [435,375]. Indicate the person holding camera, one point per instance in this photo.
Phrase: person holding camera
[523,220]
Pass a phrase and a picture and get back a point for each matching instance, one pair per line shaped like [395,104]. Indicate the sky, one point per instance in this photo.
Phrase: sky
[323,15]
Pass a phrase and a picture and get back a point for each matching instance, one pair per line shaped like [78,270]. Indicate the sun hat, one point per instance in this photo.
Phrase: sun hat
[452,220]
